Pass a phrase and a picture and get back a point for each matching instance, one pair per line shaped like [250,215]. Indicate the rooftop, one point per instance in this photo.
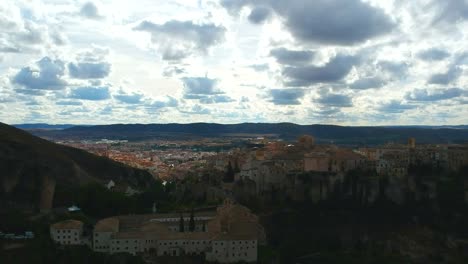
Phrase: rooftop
[107,225]
[68,224]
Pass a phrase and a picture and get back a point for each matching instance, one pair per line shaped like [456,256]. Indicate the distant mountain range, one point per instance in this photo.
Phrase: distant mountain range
[33,171]
[323,133]
[42,126]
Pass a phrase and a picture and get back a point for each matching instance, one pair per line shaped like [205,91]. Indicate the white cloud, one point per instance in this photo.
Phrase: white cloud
[233,61]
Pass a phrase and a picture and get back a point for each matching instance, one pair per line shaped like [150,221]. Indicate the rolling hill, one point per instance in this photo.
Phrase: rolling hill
[32,169]
[323,133]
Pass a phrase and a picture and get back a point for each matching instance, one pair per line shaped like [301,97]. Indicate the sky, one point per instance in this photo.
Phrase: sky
[343,62]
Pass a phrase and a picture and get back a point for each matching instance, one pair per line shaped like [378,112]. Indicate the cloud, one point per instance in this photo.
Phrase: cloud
[336,69]
[90,10]
[448,77]
[91,93]
[433,54]
[197,110]
[45,75]
[292,57]
[199,87]
[395,107]
[367,83]
[398,69]
[335,22]
[434,95]
[333,99]
[450,11]
[216,99]
[260,67]
[177,40]
[169,101]
[86,70]
[133,98]
[74,103]
[286,96]
[259,14]
[91,64]
[172,71]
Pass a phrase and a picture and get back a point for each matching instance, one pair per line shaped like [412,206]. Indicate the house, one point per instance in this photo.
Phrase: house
[231,234]
[68,232]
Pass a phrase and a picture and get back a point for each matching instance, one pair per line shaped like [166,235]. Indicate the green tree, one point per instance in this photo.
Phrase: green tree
[192,221]
[181,223]
[236,167]
[229,175]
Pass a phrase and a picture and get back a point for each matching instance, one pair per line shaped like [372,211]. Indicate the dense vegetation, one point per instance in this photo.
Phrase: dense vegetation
[32,168]
[344,228]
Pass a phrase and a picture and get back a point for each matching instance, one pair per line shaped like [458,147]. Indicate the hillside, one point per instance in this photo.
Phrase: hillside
[33,170]
[323,133]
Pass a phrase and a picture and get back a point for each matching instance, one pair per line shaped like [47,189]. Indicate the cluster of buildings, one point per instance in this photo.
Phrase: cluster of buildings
[231,234]
[277,165]
[162,159]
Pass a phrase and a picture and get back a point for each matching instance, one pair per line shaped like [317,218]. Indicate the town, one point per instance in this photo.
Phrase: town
[269,171]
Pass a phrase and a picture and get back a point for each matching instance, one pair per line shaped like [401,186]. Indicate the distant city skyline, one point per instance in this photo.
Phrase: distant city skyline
[348,62]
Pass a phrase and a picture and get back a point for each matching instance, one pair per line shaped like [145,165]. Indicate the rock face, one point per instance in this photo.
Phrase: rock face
[33,169]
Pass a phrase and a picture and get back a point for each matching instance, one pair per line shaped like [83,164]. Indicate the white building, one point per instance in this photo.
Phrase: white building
[231,234]
[68,232]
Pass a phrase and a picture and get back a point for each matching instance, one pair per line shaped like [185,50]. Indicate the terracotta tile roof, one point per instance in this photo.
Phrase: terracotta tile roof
[107,225]
[68,224]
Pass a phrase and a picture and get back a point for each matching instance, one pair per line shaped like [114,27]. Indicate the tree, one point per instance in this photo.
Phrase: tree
[229,175]
[192,221]
[236,167]
[181,223]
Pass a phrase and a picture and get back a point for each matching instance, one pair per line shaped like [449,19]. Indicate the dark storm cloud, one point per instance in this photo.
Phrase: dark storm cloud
[91,93]
[87,70]
[200,86]
[90,10]
[367,83]
[448,77]
[335,70]
[333,99]
[259,14]
[433,54]
[395,107]
[47,76]
[286,96]
[193,37]
[337,22]
[291,57]
[434,95]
